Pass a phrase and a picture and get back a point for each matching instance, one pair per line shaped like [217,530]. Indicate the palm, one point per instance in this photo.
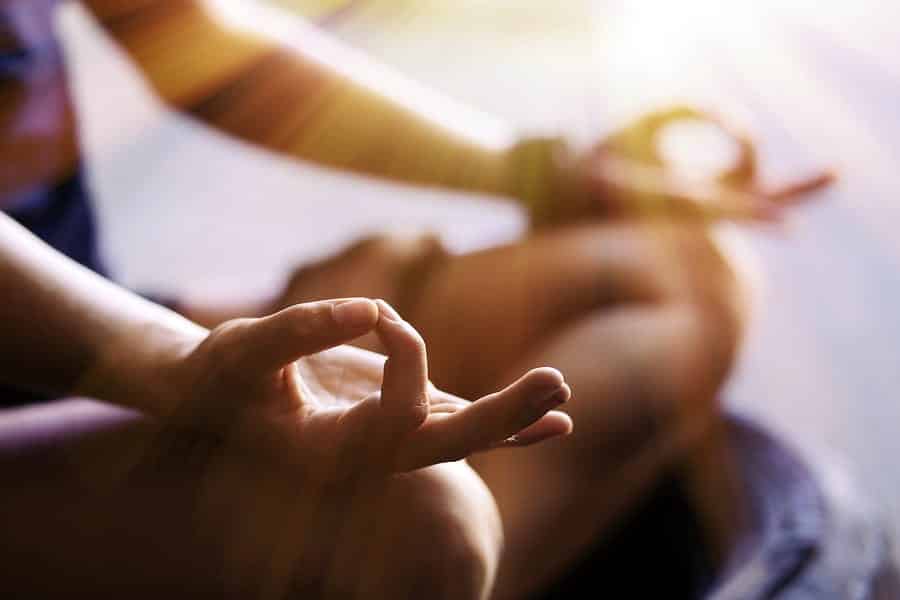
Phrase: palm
[338,418]
[341,411]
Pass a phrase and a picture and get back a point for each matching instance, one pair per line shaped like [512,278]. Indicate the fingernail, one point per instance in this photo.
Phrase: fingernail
[387,311]
[553,398]
[354,313]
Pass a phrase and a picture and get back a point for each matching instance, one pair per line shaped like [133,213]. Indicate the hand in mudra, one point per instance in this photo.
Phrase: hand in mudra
[627,175]
[268,384]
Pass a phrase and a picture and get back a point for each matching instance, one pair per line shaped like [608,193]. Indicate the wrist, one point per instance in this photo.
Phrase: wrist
[545,179]
[140,367]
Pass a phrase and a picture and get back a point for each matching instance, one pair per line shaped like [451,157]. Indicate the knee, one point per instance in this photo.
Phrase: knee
[653,264]
[441,537]
[708,274]
[688,292]
[742,272]
[722,288]
[454,537]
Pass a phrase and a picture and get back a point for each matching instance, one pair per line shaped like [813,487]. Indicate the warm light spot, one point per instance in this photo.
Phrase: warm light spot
[696,149]
[665,42]
[456,118]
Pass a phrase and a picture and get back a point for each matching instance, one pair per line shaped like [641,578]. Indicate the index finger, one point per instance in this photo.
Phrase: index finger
[799,191]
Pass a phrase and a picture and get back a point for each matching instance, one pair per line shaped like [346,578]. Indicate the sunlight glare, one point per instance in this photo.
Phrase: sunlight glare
[456,118]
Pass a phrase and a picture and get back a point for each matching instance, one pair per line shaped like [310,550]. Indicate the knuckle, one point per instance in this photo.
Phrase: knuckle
[409,418]
[226,341]
[418,412]
[230,329]
[412,342]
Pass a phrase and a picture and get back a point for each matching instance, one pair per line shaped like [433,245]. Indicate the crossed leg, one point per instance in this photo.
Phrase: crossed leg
[644,319]
[110,504]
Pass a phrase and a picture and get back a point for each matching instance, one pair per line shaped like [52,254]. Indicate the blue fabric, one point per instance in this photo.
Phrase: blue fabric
[813,534]
[810,535]
[47,195]
[35,117]
[62,216]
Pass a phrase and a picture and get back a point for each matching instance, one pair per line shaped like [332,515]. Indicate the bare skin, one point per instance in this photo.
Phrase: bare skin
[624,286]
[113,503]
[644,316]
[646,322]
[265,465]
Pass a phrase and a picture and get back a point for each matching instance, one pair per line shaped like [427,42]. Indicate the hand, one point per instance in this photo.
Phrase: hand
[340,412]
[626,175]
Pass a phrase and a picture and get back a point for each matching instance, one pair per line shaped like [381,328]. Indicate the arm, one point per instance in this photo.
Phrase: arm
[295,91]
[307,96]
[60,321]
[64,329]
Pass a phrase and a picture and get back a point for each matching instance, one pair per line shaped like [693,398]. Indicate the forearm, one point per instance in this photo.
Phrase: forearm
[64,329]
[307,96]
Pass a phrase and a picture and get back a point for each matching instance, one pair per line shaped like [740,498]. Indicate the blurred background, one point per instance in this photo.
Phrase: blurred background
[818,82]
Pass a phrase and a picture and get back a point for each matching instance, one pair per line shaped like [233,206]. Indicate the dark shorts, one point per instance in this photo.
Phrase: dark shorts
[811,535]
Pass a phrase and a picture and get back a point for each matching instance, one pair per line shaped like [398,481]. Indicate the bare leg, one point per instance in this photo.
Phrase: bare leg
[644,320]
[103,502]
